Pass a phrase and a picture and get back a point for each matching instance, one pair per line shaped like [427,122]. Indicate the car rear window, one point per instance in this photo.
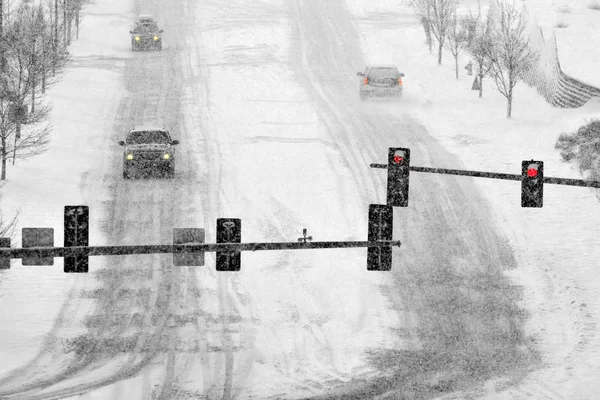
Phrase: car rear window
[381,73]
[145,137]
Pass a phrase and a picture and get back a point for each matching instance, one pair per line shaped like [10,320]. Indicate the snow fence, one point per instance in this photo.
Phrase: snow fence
[547,77]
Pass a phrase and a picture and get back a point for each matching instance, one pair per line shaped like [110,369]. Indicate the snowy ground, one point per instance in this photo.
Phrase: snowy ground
[272,132]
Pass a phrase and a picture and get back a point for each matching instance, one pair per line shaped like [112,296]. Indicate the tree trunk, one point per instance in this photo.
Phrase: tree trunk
[55,50]
[509,98]
[480,85]
[456,65]
[33,76]
[44,68]
[3,149]
[77,23]
[65,23]
[1,35]
[440,48]
[425,23]
[17,136]
[69,18]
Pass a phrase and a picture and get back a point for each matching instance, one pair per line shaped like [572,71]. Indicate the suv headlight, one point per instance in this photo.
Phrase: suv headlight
[130,156]
[156,38]
[167,156]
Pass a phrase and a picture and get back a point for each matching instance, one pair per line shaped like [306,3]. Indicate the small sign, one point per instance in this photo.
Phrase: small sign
[188,236]
[37,237]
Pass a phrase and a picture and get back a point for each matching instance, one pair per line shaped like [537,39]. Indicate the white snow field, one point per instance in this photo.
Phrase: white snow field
[486,299]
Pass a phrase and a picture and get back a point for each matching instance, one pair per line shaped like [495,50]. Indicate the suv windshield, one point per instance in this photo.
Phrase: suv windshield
[147,27]
[382,73]
[147,137]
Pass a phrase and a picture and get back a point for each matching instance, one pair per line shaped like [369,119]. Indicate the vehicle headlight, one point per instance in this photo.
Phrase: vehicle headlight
[155,38]
[130,156]
[167,156]
[137,38]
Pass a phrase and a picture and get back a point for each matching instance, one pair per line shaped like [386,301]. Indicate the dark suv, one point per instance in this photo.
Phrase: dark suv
[148,150]
[146,35]
[380,81]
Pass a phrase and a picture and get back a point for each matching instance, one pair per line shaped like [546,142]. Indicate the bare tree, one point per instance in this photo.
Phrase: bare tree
[8,226]
[512,55]
[31,141]
[20,77]
[469,24]
[480,50]
[457,39]
[437,13]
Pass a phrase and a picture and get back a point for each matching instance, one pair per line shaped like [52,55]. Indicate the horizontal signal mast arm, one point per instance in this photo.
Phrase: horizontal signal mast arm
[181,248]
[495,175]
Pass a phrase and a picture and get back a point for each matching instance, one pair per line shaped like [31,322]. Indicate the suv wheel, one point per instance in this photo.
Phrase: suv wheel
[170,171]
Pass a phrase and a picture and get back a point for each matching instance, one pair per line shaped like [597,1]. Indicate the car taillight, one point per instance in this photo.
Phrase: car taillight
[366,81]
[399,81]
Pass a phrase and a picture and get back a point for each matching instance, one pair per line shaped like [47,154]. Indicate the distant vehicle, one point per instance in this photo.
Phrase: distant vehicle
[380,81]
[148,150]
[146,35]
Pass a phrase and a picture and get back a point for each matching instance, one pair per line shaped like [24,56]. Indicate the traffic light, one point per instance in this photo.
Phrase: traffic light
[380,228]
[229,230]
[397,180]
[77,232]
[532,183]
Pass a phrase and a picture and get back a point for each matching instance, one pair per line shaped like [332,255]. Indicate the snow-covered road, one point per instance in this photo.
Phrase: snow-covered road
[263,97]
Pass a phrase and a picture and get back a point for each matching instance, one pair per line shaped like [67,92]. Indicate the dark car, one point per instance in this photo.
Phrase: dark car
[147,151]
[380,81]
[146,35]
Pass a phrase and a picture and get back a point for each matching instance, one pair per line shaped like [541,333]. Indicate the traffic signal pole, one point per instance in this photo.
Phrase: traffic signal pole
[496,175]
[182,248]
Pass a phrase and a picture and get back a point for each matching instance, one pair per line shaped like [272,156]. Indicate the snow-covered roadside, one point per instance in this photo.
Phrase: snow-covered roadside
[556,246]
[84,104]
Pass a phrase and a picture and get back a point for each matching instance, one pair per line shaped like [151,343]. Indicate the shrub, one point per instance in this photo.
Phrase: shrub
[591,130]
[583,145]
[561,24]
[594,6]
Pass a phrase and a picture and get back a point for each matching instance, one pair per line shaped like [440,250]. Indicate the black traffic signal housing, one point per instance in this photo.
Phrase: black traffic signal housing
[532,183]
[380,228]
[229,230]
[397,179]
[77,233]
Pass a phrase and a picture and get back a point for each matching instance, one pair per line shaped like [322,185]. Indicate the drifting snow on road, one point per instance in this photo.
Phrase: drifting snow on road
[264,100]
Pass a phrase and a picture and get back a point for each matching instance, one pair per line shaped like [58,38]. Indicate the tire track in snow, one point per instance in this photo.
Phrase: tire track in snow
[458,253]
[218,371]
[148,107]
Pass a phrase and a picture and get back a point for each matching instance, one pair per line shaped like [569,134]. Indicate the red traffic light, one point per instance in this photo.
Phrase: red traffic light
[398,159]
[532,172]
